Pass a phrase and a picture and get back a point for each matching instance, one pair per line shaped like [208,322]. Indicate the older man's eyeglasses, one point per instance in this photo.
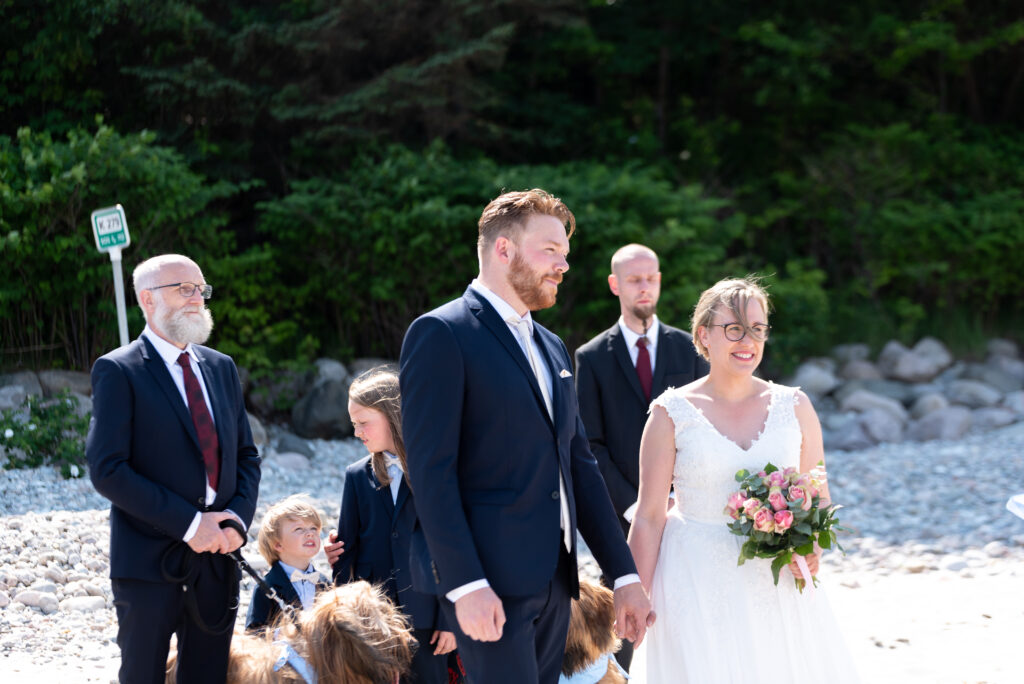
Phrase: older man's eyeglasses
[734,332]
[186,290]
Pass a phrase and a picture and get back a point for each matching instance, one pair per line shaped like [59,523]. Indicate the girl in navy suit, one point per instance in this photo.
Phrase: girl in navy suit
[378,518]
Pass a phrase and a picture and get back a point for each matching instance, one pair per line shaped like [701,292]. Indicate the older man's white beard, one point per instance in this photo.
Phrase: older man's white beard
[183,328]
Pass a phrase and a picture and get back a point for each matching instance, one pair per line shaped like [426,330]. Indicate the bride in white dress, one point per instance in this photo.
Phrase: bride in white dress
[718,622]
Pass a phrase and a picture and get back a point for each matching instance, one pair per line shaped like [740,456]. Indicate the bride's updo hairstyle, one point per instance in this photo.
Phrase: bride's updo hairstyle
[732,295]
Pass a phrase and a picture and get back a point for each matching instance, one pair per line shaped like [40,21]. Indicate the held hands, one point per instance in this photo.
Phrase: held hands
[633,614]
[813,560]
[445,642]
[481,615]
[209,537]
[334,549]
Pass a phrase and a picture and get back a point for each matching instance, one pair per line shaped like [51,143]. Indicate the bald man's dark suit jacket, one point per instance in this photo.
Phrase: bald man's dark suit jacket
[613,406]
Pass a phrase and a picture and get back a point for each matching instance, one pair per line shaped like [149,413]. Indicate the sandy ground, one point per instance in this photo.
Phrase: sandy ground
[934,628]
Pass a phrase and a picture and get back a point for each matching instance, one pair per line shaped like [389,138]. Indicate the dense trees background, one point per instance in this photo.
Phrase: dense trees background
[325,162]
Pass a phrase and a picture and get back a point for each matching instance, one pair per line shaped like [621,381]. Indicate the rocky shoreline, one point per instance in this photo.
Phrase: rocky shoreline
[933,509]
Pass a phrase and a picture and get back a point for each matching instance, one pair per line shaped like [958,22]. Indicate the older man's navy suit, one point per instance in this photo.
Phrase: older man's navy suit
[144,456]
[485,458]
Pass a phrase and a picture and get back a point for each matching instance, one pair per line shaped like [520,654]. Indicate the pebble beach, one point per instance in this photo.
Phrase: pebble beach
[931,588]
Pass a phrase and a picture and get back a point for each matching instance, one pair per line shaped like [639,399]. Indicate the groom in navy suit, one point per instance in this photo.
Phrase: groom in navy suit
[169,444]
[498,457]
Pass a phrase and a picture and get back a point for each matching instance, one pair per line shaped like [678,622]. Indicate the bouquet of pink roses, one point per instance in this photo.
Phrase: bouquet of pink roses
[782,516]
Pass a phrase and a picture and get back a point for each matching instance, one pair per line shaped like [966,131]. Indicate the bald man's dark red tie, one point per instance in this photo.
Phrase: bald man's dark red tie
[643,367]
[201,418]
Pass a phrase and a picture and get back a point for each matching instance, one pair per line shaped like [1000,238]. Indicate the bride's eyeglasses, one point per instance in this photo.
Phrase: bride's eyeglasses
[734,332]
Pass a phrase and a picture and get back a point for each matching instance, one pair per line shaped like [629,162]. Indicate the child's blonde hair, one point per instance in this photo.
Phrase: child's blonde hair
[296,507]
[377,389]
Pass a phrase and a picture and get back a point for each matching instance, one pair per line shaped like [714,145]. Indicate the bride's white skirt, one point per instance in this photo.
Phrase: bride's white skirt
[719,623]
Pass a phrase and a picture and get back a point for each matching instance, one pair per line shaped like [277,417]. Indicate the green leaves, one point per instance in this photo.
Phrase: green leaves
[45,432]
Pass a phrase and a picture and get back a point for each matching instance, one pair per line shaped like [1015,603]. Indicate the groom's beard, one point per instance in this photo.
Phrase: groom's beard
[644,312]
[530,286]
[183,328]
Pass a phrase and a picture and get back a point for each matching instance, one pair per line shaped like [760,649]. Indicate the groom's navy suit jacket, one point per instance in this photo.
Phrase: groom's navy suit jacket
[484,455]
[144,454]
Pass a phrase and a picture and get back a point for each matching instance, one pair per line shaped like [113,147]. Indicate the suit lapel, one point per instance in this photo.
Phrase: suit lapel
[658,382]
[382,491]
[403,494]
[548,354]
[483,310]
[154,363]
[617,347]
[283,584]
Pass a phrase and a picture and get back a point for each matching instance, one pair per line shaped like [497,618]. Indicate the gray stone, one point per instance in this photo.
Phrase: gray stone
[55,575]
[863,400]
[323,411]
[995,373]
[859,369]
[1003,347]
[973,393]
[844,353]
[838,421]
[5,600]
[1015,402]
[903,392]
[259,433]
[48,587]
[27,380]
[92,589]
[947,423]
[12,397]
[46,602]
[850,437]
[84,604]
[357,367]
[881,425]
[891,353]
[273,393]
[83,404]
[815,378]
[992,417]
[289,460]
[995,549]
[286,441]
[926,403]
[53,381]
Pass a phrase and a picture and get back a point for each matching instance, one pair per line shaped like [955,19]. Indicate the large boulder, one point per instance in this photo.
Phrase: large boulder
[816,377]
[26,380]
[323,411]
[287,442]
[1004,374]
[12,396]
[882,425]
[53,381]
[863,400]
[273,394]
[1015,402]
[973,393]
[849,436]
[259,433]
[926,360]
[1004,348]
[860,369]
[902,392]
[948,423]
[992,417]
[926,403]
[844,353]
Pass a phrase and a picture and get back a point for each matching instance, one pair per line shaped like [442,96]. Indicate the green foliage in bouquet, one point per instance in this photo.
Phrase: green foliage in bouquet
[45,432]
[782,515]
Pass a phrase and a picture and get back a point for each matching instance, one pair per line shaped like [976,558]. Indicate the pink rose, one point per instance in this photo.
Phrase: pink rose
[776,499]
[751,506]
[776,479]
[797,492]
[736,501]
[810,483]
[783,520]
[789,472]
[764,521]
[762,474]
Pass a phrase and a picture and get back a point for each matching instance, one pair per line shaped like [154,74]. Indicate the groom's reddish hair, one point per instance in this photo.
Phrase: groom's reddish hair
[506,215]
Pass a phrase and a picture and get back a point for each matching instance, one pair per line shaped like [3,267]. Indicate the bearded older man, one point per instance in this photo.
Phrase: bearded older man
[170,445]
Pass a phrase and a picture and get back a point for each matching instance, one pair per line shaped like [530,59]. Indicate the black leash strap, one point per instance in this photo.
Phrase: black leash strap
[268,590]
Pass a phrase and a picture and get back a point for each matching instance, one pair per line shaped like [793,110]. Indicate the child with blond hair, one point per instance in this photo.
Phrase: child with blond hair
[289,538]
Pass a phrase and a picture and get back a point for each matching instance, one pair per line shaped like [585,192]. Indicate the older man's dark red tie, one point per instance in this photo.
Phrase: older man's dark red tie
[201,418]
[643,367]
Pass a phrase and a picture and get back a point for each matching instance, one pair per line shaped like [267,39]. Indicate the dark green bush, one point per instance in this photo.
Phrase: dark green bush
[45,432]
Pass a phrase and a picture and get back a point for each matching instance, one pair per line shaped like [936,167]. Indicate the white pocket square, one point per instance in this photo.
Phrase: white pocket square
[564,374]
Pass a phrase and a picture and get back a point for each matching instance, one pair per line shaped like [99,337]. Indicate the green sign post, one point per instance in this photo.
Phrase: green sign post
[110,228]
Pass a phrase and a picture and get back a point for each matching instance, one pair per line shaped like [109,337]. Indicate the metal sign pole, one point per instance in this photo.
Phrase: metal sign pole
[122,314]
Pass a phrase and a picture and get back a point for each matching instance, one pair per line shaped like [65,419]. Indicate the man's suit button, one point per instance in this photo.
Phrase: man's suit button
[554,495]
[394,535]
[201,501]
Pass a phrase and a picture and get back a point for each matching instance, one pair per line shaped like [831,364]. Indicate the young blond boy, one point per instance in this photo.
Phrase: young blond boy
[289,538]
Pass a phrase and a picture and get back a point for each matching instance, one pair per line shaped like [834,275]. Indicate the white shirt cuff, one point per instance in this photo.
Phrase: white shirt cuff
[193,528]
[626,580]
[458,592]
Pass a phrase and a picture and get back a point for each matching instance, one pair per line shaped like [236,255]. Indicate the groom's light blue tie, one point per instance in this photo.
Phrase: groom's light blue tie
[522,327]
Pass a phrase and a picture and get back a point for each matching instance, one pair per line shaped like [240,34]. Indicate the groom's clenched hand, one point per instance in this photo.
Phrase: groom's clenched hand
[481,615]
[633,614]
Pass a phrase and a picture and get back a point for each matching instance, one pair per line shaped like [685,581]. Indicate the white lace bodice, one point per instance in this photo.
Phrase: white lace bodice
[707,461]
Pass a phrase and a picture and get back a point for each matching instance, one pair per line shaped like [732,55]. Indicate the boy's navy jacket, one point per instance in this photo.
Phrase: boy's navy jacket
[377,534]
[262,609]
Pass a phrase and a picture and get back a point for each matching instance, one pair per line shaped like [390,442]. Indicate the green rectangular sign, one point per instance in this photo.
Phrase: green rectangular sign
[110,228]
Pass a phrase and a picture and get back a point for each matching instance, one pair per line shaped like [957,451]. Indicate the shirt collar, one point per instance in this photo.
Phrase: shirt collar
[167,351]
[503,308]
[631,337]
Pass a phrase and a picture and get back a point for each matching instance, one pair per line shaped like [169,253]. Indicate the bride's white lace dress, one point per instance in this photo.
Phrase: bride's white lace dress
[718,623]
